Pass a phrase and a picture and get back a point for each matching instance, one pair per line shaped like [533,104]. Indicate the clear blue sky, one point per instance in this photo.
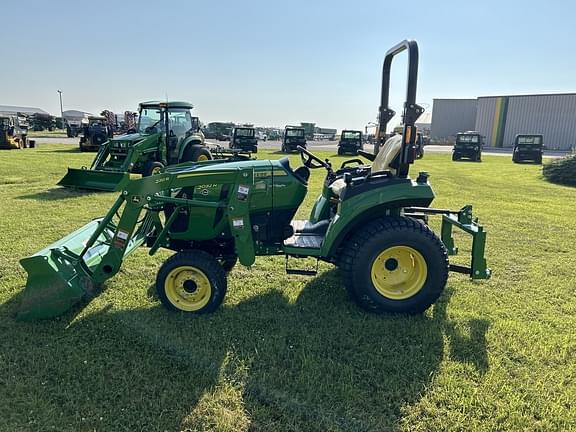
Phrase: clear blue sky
[276,63]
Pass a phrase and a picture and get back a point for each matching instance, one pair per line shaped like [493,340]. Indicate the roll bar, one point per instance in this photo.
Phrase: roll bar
[411,110]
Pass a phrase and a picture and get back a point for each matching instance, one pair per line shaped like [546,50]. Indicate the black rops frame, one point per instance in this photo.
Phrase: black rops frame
[411,110]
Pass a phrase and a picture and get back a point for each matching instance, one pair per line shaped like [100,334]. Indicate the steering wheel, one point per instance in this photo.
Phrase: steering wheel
[313,161]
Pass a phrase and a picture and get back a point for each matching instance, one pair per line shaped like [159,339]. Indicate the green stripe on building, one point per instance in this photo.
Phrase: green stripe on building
[499,123]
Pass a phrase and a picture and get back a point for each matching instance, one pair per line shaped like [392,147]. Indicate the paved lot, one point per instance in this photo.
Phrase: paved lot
[315,145]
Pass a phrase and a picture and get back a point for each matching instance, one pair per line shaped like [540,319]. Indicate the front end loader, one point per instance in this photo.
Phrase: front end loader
[370,220]
[167,134]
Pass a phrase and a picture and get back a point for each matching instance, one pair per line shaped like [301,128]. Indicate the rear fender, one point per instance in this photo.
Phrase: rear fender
[192,141]
[356,212]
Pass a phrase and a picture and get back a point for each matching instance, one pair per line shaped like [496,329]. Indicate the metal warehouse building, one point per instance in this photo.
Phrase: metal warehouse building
[500,118]
[450,116]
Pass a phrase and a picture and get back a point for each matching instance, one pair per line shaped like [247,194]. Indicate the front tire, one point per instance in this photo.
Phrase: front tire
[395,265]
[191,281]
[152,168]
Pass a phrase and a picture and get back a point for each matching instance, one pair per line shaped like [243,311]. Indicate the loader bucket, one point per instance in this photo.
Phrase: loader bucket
[58,277]
[95,179]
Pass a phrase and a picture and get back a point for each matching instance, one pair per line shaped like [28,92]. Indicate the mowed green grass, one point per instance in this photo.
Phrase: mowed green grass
[290,353]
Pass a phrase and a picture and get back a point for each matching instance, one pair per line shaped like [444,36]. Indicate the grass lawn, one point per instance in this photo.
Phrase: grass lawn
[290,353]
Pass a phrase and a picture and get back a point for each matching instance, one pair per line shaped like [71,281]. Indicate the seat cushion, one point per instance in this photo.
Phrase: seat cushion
[337,186]
[385,157]
[387,154]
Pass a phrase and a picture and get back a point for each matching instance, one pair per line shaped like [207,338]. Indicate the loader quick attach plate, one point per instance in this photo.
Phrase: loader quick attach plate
[95,179]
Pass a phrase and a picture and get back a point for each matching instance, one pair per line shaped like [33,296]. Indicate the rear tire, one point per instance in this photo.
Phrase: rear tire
[152,168]
[195,154]
[191,281]
[538,160]
[395,265]
[455,157]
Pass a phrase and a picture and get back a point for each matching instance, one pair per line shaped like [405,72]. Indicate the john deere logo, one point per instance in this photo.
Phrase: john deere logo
[136,199]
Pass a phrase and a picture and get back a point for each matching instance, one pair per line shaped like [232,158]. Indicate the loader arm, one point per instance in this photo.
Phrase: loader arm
[71,269]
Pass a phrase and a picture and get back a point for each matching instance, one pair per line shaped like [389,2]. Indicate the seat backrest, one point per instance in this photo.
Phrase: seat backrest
[387,154]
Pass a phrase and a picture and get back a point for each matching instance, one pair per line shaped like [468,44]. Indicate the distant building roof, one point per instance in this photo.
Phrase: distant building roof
[75,114]
[13,109]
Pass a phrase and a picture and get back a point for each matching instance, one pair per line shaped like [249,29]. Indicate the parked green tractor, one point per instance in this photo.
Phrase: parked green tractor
[369,220]
[468,145]
[528,147]
[350,142]
[167,134]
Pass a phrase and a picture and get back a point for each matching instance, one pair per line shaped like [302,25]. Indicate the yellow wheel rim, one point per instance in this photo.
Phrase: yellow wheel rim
[188,288]
[399,272]
[156,170]
[203,157]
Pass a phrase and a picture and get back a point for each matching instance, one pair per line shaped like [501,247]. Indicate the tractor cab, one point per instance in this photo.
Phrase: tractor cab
[350,142]
[292,138]
[468,145]
[528,147]
[244,138]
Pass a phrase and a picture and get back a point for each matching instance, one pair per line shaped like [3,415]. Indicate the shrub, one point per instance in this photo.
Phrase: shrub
[561,171]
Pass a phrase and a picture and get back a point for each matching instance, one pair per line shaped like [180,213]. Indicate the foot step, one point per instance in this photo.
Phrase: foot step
[302,272]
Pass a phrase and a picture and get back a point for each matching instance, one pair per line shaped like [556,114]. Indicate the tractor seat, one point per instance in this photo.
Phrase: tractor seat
[384,158]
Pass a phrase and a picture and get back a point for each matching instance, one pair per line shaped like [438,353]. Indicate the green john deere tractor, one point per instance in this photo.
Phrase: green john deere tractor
[369,220]
[167,134]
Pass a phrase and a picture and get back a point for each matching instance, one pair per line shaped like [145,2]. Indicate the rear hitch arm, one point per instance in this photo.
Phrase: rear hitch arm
[463,220]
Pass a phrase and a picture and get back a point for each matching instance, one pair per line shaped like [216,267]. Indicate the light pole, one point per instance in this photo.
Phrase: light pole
[61,110]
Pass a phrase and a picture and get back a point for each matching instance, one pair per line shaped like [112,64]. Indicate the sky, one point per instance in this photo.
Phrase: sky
[274,63]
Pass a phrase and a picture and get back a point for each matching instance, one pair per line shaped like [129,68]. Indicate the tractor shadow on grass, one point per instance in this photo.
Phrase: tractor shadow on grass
[313,363]
[70,150]
[56,194]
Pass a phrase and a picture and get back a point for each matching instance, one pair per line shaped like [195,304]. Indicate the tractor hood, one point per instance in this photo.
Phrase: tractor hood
[129,138]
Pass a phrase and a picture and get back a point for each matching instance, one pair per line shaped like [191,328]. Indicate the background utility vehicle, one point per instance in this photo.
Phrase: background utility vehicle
[14,133]
[167,134]
[244,138]
[528,147]
[468,145]
[292,138]
[368,220]
[95,133]
[350,142]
